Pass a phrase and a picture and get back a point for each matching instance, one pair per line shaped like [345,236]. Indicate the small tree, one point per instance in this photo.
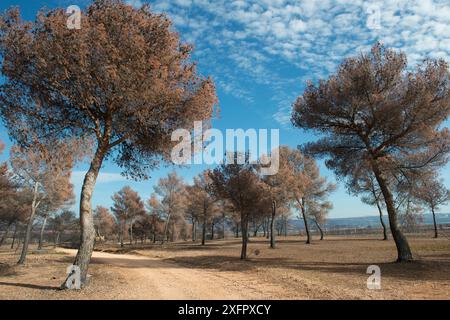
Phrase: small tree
[127,207]
[432,193]
[201,199]
[364,183]
[45,172]
[171,190]
[104,222]
[376,113]
[124,81]
[242,187]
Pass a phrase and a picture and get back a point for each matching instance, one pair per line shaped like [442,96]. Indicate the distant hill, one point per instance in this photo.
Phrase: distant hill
[370,221]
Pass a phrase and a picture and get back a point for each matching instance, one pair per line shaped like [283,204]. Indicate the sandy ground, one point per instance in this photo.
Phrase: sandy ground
[331,269]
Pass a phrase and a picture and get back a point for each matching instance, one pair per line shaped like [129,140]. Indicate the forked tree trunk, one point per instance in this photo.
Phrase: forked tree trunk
[26,242]
[385,236]
[308,234]
[435,223]
[403,250]
[87,238]
[41,234]
[14,235]
[320,229]
[380,211]
[244,232]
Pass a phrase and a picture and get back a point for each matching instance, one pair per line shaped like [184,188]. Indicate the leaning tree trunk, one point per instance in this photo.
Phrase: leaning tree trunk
[385,236]
[320,229]
[435,223]
[244,232]
[26,242]
[41,234]
[87,237]
[14,235]
[308,234]
[272,222]
[403,250]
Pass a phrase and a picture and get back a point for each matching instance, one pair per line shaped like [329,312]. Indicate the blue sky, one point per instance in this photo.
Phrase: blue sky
[260,54]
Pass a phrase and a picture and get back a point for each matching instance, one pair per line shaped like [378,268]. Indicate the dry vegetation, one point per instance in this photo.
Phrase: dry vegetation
[331,269]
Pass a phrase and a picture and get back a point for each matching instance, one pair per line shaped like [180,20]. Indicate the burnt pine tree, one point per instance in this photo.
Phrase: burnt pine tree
[124,81]
[376,113]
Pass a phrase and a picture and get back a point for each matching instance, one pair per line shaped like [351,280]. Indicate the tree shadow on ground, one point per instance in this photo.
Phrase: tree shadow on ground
[29,286]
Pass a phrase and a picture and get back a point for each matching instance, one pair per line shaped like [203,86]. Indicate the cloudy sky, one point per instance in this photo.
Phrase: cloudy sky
[261,52]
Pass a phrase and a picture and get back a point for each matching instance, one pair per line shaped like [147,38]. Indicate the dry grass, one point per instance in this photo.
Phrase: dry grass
[331,269]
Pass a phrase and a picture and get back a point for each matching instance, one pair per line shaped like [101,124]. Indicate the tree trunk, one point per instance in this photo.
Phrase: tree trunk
[204,231]
[244,232]
[435,223]
[5,234]
[26,242]
[194,231]
[272,221]
[41,234]
[237,230]
[308,234]
[121,232]
[14,235]
[166,229]
[320,229]
[131,233]
[403,250]
[223,225]
[87,237]
[385,236]
[212,230]
[57,238]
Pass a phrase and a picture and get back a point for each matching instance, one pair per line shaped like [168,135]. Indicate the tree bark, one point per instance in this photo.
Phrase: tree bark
[26,242]
[320,229]
[403,250]
[435,223]
[204,231]
[385,236]
[308,234]
[272,222]
[14,235]
[166,229]
[244,232]
[87,238]
[41,234]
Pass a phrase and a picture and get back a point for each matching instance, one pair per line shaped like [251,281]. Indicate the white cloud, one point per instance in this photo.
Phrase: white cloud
[243,40]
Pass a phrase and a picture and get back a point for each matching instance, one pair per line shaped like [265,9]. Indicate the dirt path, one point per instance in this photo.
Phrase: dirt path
[151,278]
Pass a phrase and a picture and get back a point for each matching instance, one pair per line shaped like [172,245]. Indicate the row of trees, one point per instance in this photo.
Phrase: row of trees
[232,191]
[124,82]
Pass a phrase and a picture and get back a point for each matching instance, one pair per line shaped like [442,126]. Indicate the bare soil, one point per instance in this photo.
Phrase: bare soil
[331,269]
